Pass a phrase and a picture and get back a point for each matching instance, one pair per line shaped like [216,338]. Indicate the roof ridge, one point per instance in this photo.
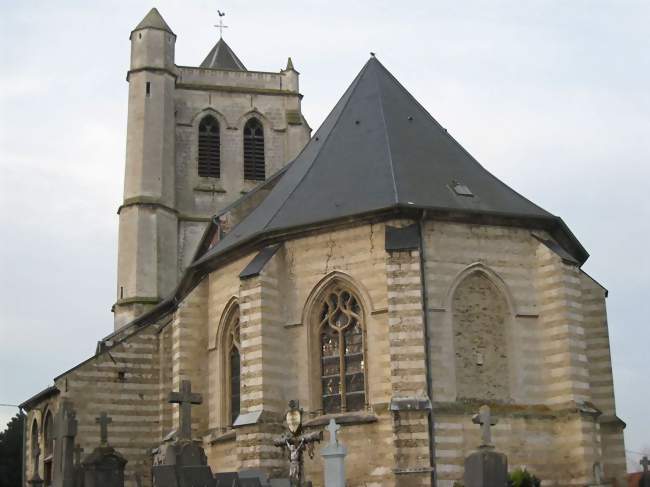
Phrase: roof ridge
[383,118]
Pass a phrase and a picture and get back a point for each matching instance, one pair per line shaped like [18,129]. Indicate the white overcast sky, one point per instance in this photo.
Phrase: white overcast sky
[551,96]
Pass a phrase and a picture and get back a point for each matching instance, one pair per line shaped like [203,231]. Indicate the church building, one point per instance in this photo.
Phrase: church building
[374,271]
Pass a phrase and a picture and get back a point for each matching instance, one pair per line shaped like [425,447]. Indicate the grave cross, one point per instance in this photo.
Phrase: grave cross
[77,454]
[645,462]
[333,430]
[103,420]
[36,452]
[485,419]
[185,398]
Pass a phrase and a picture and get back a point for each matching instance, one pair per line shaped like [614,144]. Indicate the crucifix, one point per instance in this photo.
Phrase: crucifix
[185,398]
[36,454]
[645,462]
[77,454]
[485,419]
[220,26]
[333,430]
[103,420]
[296,443]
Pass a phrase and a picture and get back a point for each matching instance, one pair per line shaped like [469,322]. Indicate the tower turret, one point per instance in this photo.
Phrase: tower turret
[148,218]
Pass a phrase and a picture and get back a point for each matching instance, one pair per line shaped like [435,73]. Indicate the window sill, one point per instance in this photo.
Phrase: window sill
[355,417]
[219,436]
[208,187]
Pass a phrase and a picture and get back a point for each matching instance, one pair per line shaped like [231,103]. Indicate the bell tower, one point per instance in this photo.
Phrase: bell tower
[178,176]
[148,224]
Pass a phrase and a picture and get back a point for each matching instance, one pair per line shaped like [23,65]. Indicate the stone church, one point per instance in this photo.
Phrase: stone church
[373,270]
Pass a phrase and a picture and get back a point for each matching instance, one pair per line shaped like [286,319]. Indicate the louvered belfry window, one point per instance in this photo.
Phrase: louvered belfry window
[209,148]
[254,150]
[342,353]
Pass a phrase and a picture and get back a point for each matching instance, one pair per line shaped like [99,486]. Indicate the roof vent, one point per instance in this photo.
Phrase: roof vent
[461,189]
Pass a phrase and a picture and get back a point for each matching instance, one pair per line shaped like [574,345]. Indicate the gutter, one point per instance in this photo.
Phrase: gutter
[427,344]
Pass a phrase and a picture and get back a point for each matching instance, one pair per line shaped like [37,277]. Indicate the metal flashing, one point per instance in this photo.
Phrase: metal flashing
[256,265]
[403,238]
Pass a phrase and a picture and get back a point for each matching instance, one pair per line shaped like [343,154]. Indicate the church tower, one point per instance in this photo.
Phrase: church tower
[197,139]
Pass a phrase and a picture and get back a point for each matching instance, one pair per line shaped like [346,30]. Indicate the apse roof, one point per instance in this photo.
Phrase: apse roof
[222,57]
[379,149]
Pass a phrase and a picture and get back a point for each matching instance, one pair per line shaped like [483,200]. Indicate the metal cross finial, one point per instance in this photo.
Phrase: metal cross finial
[333,429]
[485,419]
[645,462]
[185,398]
[220,26]
[103,420]
[77,454]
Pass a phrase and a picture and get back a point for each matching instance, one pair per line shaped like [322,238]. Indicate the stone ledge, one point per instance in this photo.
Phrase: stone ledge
[217,435]
[361,417]
[210,188]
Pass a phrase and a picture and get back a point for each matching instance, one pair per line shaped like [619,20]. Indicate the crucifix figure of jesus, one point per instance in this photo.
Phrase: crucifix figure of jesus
[103,420]
[185,398]
[485,419]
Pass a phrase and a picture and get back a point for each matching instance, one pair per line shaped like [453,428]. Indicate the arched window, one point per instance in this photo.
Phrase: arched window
[233,367]
[48,440]
[342,360]
[209,148]
[35,449]
[254,150]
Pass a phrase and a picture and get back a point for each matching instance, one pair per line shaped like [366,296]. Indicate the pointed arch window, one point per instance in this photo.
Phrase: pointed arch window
[48,440]
[209,148]
[254,150]
[342,354]
[35,449]
[233,367]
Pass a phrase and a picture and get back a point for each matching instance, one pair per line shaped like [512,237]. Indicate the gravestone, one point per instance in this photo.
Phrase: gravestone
[104,467]
[227,479]
[486,467]
[65,432]
[180,462]
[644,480]
[334,455]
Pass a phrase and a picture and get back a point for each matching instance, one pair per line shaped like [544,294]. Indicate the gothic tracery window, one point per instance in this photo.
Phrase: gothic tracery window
[209,148]
[254,150]
[234,366]
[341,352]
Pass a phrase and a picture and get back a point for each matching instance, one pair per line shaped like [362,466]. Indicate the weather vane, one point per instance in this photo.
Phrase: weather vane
[221,27]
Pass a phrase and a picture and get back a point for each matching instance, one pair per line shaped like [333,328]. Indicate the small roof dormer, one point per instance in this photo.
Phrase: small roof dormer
[222,57]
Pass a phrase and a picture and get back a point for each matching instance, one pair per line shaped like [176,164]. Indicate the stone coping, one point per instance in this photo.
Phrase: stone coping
[359,417]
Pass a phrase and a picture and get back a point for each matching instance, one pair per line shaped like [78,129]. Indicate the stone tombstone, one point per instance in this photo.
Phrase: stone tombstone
[644,480]
[104,467]
[66,431]
[179,461]
[227,479]
[334,455]
[486,467]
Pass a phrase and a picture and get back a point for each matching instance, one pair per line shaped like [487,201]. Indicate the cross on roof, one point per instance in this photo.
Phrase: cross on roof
[103,420]
[485,419]
[185,398]
[333,429]
[220,25]
[645,462]
[77,454]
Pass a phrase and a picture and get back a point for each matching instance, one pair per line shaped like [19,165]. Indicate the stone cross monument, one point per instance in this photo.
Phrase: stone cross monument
[334,455]
[485,467]
[36,480]
[185,398]
[485,419]
[103,421]
[104,466]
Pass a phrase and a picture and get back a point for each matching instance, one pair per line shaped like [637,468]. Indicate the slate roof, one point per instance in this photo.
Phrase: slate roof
[153,20]
[222,57]
[378,150]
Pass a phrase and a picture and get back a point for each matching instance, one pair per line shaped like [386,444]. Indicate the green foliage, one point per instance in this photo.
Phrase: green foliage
[11,453]
[522,478]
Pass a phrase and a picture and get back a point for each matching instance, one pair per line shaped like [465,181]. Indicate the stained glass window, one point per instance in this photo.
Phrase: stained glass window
[342,353]
[234,367]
